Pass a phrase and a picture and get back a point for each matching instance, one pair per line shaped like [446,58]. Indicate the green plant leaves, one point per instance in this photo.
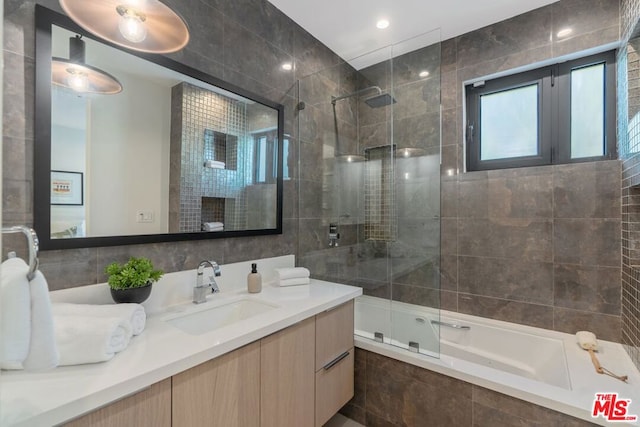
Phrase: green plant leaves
[136,273]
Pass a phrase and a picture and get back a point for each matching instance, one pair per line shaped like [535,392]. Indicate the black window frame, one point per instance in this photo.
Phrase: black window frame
[554,113]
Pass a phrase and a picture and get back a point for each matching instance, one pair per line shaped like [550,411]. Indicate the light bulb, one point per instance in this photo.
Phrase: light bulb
[131,24]
[77,80]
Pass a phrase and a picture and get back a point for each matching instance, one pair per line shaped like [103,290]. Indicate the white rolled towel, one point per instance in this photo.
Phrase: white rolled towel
[292,273]
[43,351]
[90,339]
[133,313]
[15,313]
[295,281]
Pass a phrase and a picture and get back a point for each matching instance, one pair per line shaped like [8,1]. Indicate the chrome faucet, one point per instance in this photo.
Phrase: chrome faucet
[201,289]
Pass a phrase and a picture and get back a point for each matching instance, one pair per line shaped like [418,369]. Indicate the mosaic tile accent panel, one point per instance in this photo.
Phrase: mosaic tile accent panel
[629,16]
[214,127]
[629,148]
[380,209]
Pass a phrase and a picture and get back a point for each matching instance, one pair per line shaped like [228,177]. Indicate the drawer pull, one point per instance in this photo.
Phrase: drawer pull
[335,361]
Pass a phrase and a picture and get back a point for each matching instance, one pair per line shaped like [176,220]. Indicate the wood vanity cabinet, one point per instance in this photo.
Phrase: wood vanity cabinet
[224,391]
[287,376]
[297,377]
[334,361]
[150,407]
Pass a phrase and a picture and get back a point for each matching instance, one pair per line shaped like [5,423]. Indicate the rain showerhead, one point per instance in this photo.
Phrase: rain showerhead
[376,101]
[381,100]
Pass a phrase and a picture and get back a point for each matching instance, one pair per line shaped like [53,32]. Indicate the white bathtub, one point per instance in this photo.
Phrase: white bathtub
[540,366]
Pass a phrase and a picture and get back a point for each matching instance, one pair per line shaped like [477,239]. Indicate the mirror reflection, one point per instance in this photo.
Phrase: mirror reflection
[167,154]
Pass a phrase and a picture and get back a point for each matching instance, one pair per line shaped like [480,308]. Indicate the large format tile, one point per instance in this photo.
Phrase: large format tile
[605,327]
[517,34]
[540,316]
[587,288]
[524,239]
[526,193]
[587,241]
[492,409]
[587,190]
[517,280]
[249,54]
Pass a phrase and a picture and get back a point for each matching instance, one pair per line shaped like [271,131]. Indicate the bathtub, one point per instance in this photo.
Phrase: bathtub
[540,366]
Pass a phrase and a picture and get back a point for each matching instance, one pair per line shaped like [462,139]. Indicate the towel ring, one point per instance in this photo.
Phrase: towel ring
[34,245]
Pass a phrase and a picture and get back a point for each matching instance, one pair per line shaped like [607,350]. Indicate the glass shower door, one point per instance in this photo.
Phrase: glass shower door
[369,185]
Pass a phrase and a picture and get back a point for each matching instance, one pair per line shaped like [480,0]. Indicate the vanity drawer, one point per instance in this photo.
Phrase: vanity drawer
[334,386]
[334,333]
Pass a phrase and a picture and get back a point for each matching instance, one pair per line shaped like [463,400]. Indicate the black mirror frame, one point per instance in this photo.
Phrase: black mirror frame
[45,18]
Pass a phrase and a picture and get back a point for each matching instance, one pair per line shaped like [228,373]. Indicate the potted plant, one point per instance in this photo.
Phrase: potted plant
[131,282]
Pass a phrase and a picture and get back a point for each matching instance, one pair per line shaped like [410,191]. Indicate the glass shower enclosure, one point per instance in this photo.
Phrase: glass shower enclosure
[369,176]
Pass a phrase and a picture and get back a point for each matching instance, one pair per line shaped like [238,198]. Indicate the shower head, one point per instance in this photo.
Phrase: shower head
[381,100]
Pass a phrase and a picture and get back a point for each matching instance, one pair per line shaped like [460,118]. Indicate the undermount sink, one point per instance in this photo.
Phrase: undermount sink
[207,319]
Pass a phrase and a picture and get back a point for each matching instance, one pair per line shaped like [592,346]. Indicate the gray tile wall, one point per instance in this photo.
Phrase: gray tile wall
[243,42]
[538,246]
[390,393]
[629,142]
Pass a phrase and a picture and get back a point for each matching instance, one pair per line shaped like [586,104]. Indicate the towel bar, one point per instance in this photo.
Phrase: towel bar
[34,245]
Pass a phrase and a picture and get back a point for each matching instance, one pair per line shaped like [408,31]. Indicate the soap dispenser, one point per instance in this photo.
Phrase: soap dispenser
[254,280]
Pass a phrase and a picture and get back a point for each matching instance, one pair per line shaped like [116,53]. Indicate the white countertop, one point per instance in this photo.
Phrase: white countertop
[51,397]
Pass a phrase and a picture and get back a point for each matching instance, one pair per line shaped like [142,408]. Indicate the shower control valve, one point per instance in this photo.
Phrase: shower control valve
[334,236]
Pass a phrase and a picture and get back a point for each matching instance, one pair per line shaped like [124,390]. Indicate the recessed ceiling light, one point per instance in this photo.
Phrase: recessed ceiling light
[287,66]
[564,32]
[382,24]
[424,73]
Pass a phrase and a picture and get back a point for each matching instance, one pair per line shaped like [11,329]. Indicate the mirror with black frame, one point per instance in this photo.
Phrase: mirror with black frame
[137,148]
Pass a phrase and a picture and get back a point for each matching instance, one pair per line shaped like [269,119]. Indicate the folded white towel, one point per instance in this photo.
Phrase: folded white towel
[212,226]
[90,339]
[214,164]
[43,351]
[133,313]
[15,313]
[292,273]
[295,281]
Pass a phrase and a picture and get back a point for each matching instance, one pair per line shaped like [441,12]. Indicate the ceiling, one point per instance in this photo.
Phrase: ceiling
[348,27]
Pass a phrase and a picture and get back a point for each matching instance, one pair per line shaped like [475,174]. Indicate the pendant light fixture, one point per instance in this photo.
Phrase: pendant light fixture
[142,25]
[74,74]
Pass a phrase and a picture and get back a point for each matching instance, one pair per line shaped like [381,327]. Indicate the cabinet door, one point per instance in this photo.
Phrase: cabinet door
[149,408]
[224,391]
[334,333]
[288,377]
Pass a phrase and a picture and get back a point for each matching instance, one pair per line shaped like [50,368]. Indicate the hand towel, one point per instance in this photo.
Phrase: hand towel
[43,351]
[295,282]
[15,313]
[292,273]
[90,339]
[134,313]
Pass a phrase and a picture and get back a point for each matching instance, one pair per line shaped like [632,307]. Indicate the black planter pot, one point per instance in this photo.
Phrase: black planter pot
[136,295]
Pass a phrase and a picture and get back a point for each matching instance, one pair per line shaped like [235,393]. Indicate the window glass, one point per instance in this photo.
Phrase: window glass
[587,112]
[261,175]
[509,123]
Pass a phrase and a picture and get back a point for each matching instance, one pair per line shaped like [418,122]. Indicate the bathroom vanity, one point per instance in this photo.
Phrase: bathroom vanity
[291,365]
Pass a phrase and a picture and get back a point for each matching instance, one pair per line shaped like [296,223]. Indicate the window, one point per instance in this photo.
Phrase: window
[266,157]
[563,113]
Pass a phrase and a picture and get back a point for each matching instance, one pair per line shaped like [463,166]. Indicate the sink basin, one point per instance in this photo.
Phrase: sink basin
[207,319]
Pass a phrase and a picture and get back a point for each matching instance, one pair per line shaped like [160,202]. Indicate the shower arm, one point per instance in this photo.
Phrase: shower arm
[334,99]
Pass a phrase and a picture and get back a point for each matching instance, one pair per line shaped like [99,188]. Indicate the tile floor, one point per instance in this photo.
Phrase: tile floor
[340,420]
